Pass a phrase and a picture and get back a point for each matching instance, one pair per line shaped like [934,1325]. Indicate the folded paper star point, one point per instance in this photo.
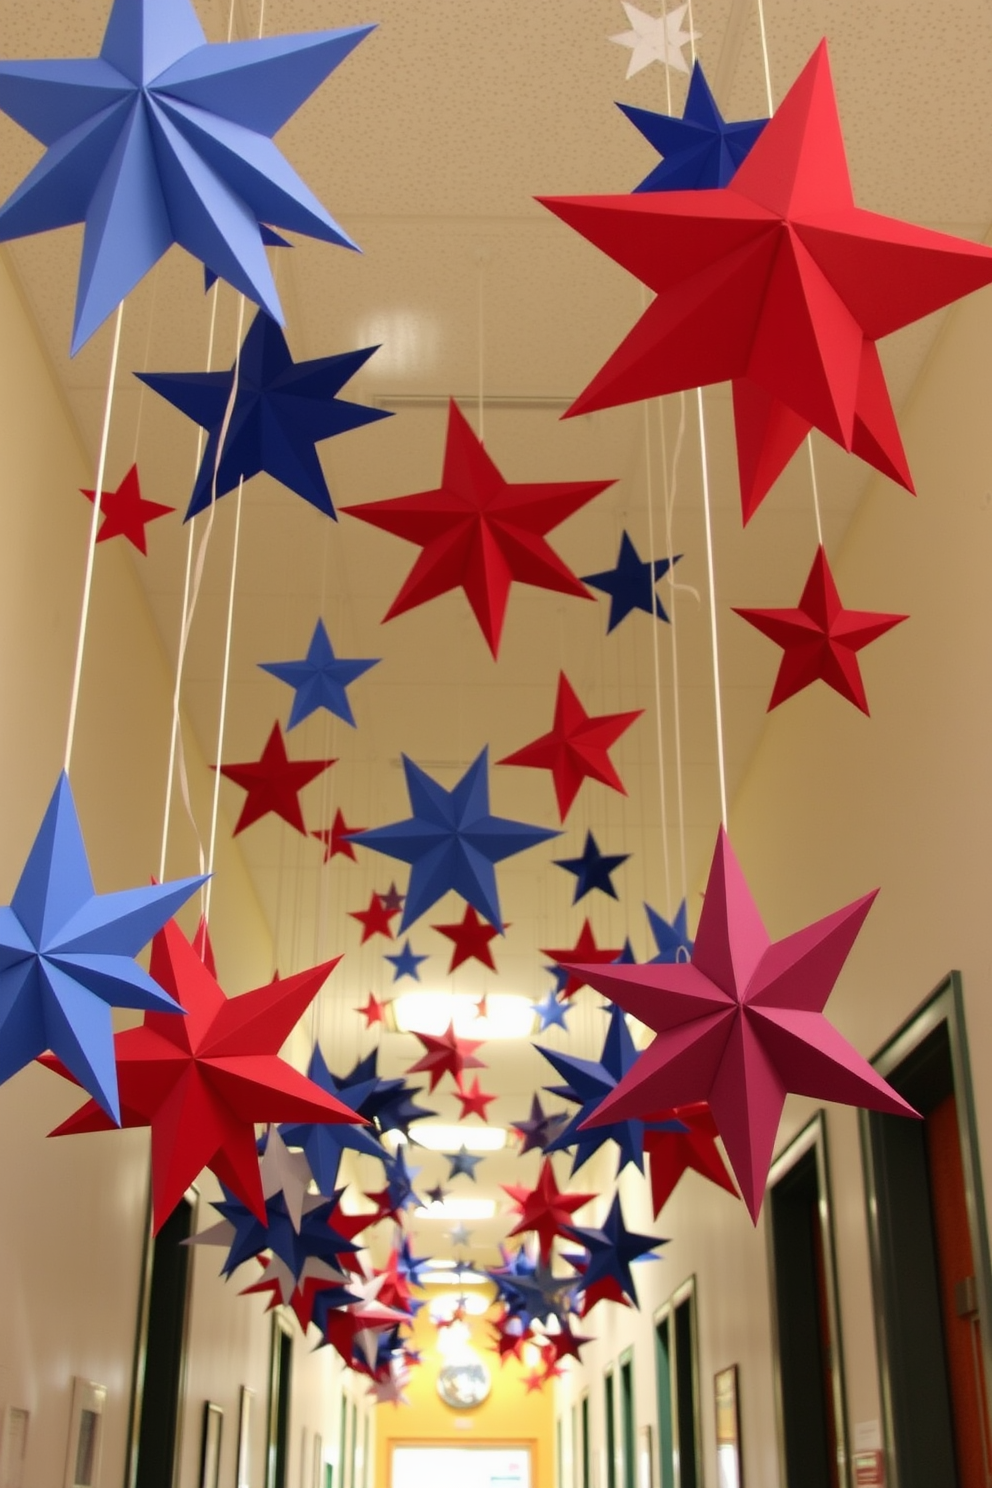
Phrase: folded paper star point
[701,150]
[470,937]
[320,679]
[273,783]
[446,1054]
[545,1209]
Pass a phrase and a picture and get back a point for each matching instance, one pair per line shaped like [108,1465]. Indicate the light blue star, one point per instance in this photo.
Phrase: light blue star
[702,151]
[320,680]
[551,1011]
[672,939]
[405,963]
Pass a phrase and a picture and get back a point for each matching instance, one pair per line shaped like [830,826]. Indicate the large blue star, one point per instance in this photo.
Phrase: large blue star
[672,939]
[701,150]
[324,1143]
[320,680]
[452,841]
[67,957]
[593,870]
[281,410]
[630,584]
[163,139]
[612,1249]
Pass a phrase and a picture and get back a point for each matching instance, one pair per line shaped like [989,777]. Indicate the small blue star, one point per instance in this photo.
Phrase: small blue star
[405,963]
[630,584]
[593,870]
[612,1249]
[672,939]
[701,150]
[462,1162]
[551,1011]
[320,680]
[626,956]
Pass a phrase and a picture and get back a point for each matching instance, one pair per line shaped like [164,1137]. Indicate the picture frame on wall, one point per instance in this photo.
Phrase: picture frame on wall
[84,1450]
[13,1445]
[213,1426]
[645,1457]
[245,1414]
[726,1393]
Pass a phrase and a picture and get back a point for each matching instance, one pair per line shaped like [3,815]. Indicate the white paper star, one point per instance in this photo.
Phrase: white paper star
[655,38]
[287,1173]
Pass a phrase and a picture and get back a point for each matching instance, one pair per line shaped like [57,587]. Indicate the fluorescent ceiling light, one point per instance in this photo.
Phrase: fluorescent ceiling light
[458,1209]
[452,1278]
[440,1138]
[508,1015]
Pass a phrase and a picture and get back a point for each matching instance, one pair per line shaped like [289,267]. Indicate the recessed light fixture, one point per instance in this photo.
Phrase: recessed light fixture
[508,1015]
[437,1137]
[437,1277]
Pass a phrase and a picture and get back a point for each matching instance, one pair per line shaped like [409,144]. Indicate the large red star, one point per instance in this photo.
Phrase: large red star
[446,1054]
[779,282]
[577,746]
[274,783]
[585,952]
[375,920]
[820,639]
[202,1082]
[335,838]
[479,532]
[741,1024]
[126,513]
[544,1208]
[471,937]
[673,1153]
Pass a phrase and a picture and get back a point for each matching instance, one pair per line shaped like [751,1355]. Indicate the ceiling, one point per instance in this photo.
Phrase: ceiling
[429,145]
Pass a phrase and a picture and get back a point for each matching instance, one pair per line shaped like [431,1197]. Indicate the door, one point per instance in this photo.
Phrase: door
[161,1354]
[280,1395]
[677,1373]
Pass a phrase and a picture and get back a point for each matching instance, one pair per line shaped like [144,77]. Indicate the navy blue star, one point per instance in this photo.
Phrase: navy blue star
[672,939]
[626,956]
[437,1194]
[282,409]
[593,870]
[462,1162]
[405,963]
[315,1237]
[324,1143]
[630,584]
[452,841]
[540,1127]
[701,149]
[531,1291]
[320,680]
[561,975]
[551,1011]
[398,1193]
[612,1250]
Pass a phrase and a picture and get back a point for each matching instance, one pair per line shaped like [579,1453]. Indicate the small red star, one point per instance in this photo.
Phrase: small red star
[535,1380]
[471,936]
[506,1342]
[446,1054]
[820,639]
[577,746]
[274,783]
[673,1153]
[374,1011]
[586,952]
[545,1209]
[335,838]
[566,1344]
[126,513]
[472,1101]
[482,1006]
[375,920]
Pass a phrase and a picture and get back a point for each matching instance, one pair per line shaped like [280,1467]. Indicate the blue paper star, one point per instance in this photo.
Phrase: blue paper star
[452,841]
[163,139]
[405,962]
[320,680]
[561,975]
[269,238]
[531,1291]
[322,1142]
[593,870]
[315,1237]
[630,584]
[66,957]
[551,1011]
[462,1162]
[437,1194]
[282,409]
[612,1249]
[626,956]
[701,149]
[672,939]
[539,1128]
[399,1182]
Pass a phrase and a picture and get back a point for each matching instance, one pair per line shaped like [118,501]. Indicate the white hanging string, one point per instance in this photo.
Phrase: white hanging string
[482,343]
[764,57]
[670,487]
[657,670]
[225,680]
[101,469]
[816,493]
[717,703]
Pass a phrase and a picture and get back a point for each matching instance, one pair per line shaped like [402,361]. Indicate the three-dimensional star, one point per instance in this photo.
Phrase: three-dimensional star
[452,841]
[284,1172]
[67,956]
[612,1249]
[462,1164]
[374,1011]
[820,640]
[552,1010]
[742,1024]
[273,1230]
[472,1100]
[780,283]
[672,1153]
[539,1128]
[406,962]
[273,783]
[282,410]
[324,1144]
[544,1209]
[392,899]
[164,139]
[320,679]
[585,952]
[376,920]
[656,38]
[470,936]
[672,939]
[479,532]
[577,747]
[702,151]
[592,869]
[446,1054]
[203,1081]
[335,838]
[631,583]
[126,513]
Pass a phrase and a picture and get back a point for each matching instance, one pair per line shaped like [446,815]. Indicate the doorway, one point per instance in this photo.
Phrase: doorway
[280,1394]
[677,1374]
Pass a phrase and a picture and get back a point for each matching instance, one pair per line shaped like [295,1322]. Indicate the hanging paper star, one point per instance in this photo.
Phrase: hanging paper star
[163,139]
[626,956]
[335,838]
[612,1249]
[460,1236]
[631,584]
[446,1054]
[593,870]
[820,640]
[544,1208]
[376,920]
[462,1164]
[437,1194]
[779,282]
[315,1239]
[398,1193]
[482,1004]
[577,747]
[273,783]
[203,1081]
[398,1109]
[324,1144]
[655,38]
[702,151]
[126,513]
[530,1290]
[392,899]
[278,1280]
[269,238]
[551,1011]
[742,1025]
[473,1101]
[320,680]
[539,1128]
[67,956]
[585,952]
[282,410]
[374,1011]
[671,1153]
[672,939]
[452,841]
[284,1172]
[479,532]
[406,963]
[471,937]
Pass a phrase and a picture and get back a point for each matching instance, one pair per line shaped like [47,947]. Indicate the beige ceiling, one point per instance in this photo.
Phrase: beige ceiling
[429,145]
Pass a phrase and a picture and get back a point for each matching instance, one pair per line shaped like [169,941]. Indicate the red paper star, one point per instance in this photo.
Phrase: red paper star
[545,1209]
[482,1003]
[274,783]
[741,1025]
[202,1082]
[565,1344]
[673,1153]
[335,838]
[584,951]
[479,532]
[576,748]
[820,639]
[779,282]
[126,513]
[507,1342]
[471,937]
[473,1101]
[374,1011]
[375,920]
[446,1054]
